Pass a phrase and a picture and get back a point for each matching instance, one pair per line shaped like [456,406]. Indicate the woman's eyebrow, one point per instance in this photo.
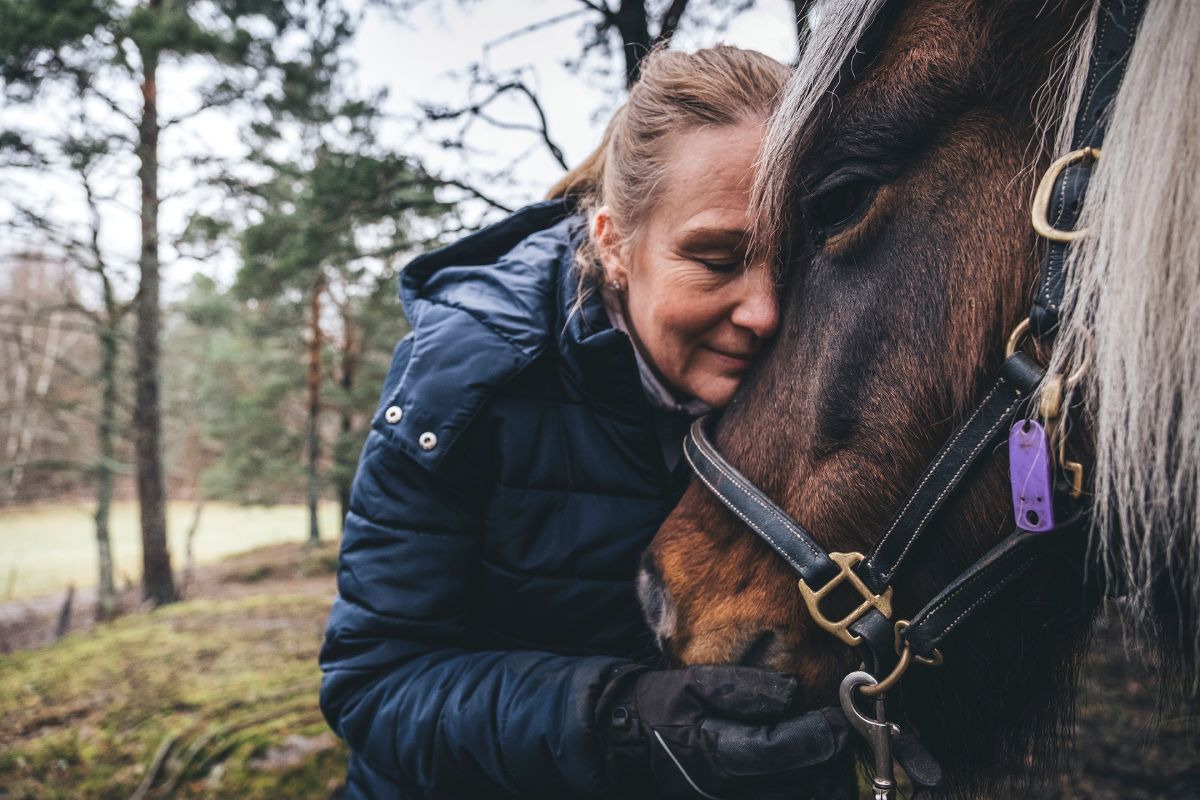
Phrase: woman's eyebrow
[709,235]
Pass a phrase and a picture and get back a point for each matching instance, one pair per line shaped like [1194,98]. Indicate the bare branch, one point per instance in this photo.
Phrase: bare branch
[536,26]
[542,129]
[471,190]
[543,124]
[601,8]
[111,103]
[670,21]
[208,103]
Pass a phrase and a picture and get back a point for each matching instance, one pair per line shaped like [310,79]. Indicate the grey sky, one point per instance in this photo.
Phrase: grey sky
[415,59]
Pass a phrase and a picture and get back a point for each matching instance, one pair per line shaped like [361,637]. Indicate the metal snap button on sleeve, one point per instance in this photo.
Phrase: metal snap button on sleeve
[428,441]
[394,414]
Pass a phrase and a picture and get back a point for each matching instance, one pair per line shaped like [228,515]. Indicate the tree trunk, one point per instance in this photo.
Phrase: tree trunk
[157,582]
[314,411]
[34,371]
[634,28]
[349,367]
[189,551]
[64,613]
[106,601]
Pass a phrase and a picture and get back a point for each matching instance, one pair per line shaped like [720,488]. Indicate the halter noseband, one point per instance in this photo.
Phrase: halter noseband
[1044,516]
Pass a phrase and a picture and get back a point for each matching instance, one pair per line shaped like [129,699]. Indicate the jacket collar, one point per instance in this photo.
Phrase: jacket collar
[598,357]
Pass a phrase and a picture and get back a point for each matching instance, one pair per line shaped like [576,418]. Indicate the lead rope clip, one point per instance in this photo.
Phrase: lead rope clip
[878,732]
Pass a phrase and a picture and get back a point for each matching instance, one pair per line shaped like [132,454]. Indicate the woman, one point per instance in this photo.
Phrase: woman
[526,448]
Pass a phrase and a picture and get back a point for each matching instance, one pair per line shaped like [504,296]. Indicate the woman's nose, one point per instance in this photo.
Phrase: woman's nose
[757,309]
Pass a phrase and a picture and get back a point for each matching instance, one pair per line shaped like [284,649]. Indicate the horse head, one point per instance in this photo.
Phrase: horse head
[897,179]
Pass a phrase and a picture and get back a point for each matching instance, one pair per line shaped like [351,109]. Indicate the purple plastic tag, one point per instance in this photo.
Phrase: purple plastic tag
[1029,473]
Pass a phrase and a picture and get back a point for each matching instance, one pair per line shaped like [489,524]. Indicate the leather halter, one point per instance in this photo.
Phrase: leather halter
[872,575]
[885,643]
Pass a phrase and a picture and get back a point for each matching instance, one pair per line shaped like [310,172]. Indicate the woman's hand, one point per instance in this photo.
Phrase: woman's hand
[718,732]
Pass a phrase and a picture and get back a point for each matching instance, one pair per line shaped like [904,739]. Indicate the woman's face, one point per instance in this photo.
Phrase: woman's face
[698,311]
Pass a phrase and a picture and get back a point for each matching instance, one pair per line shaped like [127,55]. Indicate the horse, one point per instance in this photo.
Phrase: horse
[895,193]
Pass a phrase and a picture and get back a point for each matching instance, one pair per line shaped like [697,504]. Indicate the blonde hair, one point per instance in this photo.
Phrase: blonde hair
[676,92]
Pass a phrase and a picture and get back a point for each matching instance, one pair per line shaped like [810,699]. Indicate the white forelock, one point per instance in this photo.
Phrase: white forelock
[835,32]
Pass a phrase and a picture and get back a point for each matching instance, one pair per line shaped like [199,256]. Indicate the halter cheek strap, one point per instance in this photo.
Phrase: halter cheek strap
[1065,184]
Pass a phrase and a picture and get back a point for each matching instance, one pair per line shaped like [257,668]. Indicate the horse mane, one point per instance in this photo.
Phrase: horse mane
[1134,307]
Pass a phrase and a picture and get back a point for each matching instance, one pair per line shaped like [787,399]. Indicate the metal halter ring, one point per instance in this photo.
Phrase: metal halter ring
[1054,387]
[1045,190]
[1050,406]
[904,650]
[1019,333]
[893,678]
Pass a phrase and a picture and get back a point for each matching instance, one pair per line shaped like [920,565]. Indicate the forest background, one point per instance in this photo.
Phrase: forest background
[204,208]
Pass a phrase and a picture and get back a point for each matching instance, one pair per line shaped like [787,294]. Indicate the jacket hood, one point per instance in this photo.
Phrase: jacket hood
[485,307]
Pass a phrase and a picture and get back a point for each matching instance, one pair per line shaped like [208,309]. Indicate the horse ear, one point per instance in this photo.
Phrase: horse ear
[609,246]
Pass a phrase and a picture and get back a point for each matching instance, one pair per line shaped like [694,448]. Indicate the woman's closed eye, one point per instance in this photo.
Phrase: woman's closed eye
[719,250]
[720,264]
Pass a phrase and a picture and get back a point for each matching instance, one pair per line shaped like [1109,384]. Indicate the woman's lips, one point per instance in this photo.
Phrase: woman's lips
[733,360]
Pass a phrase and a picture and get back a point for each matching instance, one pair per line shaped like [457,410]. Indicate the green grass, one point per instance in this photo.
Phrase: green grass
[230,685]
[44,548]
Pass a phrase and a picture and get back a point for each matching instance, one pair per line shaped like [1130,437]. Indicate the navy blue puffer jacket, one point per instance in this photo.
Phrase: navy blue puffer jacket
[510,481]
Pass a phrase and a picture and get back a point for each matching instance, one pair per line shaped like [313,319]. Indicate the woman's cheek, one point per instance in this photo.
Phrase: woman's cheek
[687,328]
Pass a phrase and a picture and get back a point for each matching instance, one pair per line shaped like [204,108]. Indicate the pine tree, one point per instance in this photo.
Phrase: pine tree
[334,211]
[98,53]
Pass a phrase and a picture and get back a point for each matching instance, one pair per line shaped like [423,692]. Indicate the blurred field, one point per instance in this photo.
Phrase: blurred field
[43,548]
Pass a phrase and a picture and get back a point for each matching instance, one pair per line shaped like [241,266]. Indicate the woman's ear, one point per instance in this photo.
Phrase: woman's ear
[608,245]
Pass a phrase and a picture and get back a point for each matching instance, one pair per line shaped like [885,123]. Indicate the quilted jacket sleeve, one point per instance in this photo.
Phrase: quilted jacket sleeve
[402,684]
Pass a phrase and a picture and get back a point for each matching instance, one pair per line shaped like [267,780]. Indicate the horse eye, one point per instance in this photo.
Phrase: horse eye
[837,208]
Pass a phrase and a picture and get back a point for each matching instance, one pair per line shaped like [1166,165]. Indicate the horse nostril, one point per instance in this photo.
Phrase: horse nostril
[760,651]
[657,607]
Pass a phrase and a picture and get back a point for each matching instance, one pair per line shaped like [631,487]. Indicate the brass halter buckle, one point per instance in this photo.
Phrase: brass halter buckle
[841,628]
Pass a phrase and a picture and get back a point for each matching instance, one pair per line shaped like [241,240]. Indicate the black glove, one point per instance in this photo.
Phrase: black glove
[719,732]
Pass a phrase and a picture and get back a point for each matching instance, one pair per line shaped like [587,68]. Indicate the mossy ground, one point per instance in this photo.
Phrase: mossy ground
[220,692]
[224,690]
